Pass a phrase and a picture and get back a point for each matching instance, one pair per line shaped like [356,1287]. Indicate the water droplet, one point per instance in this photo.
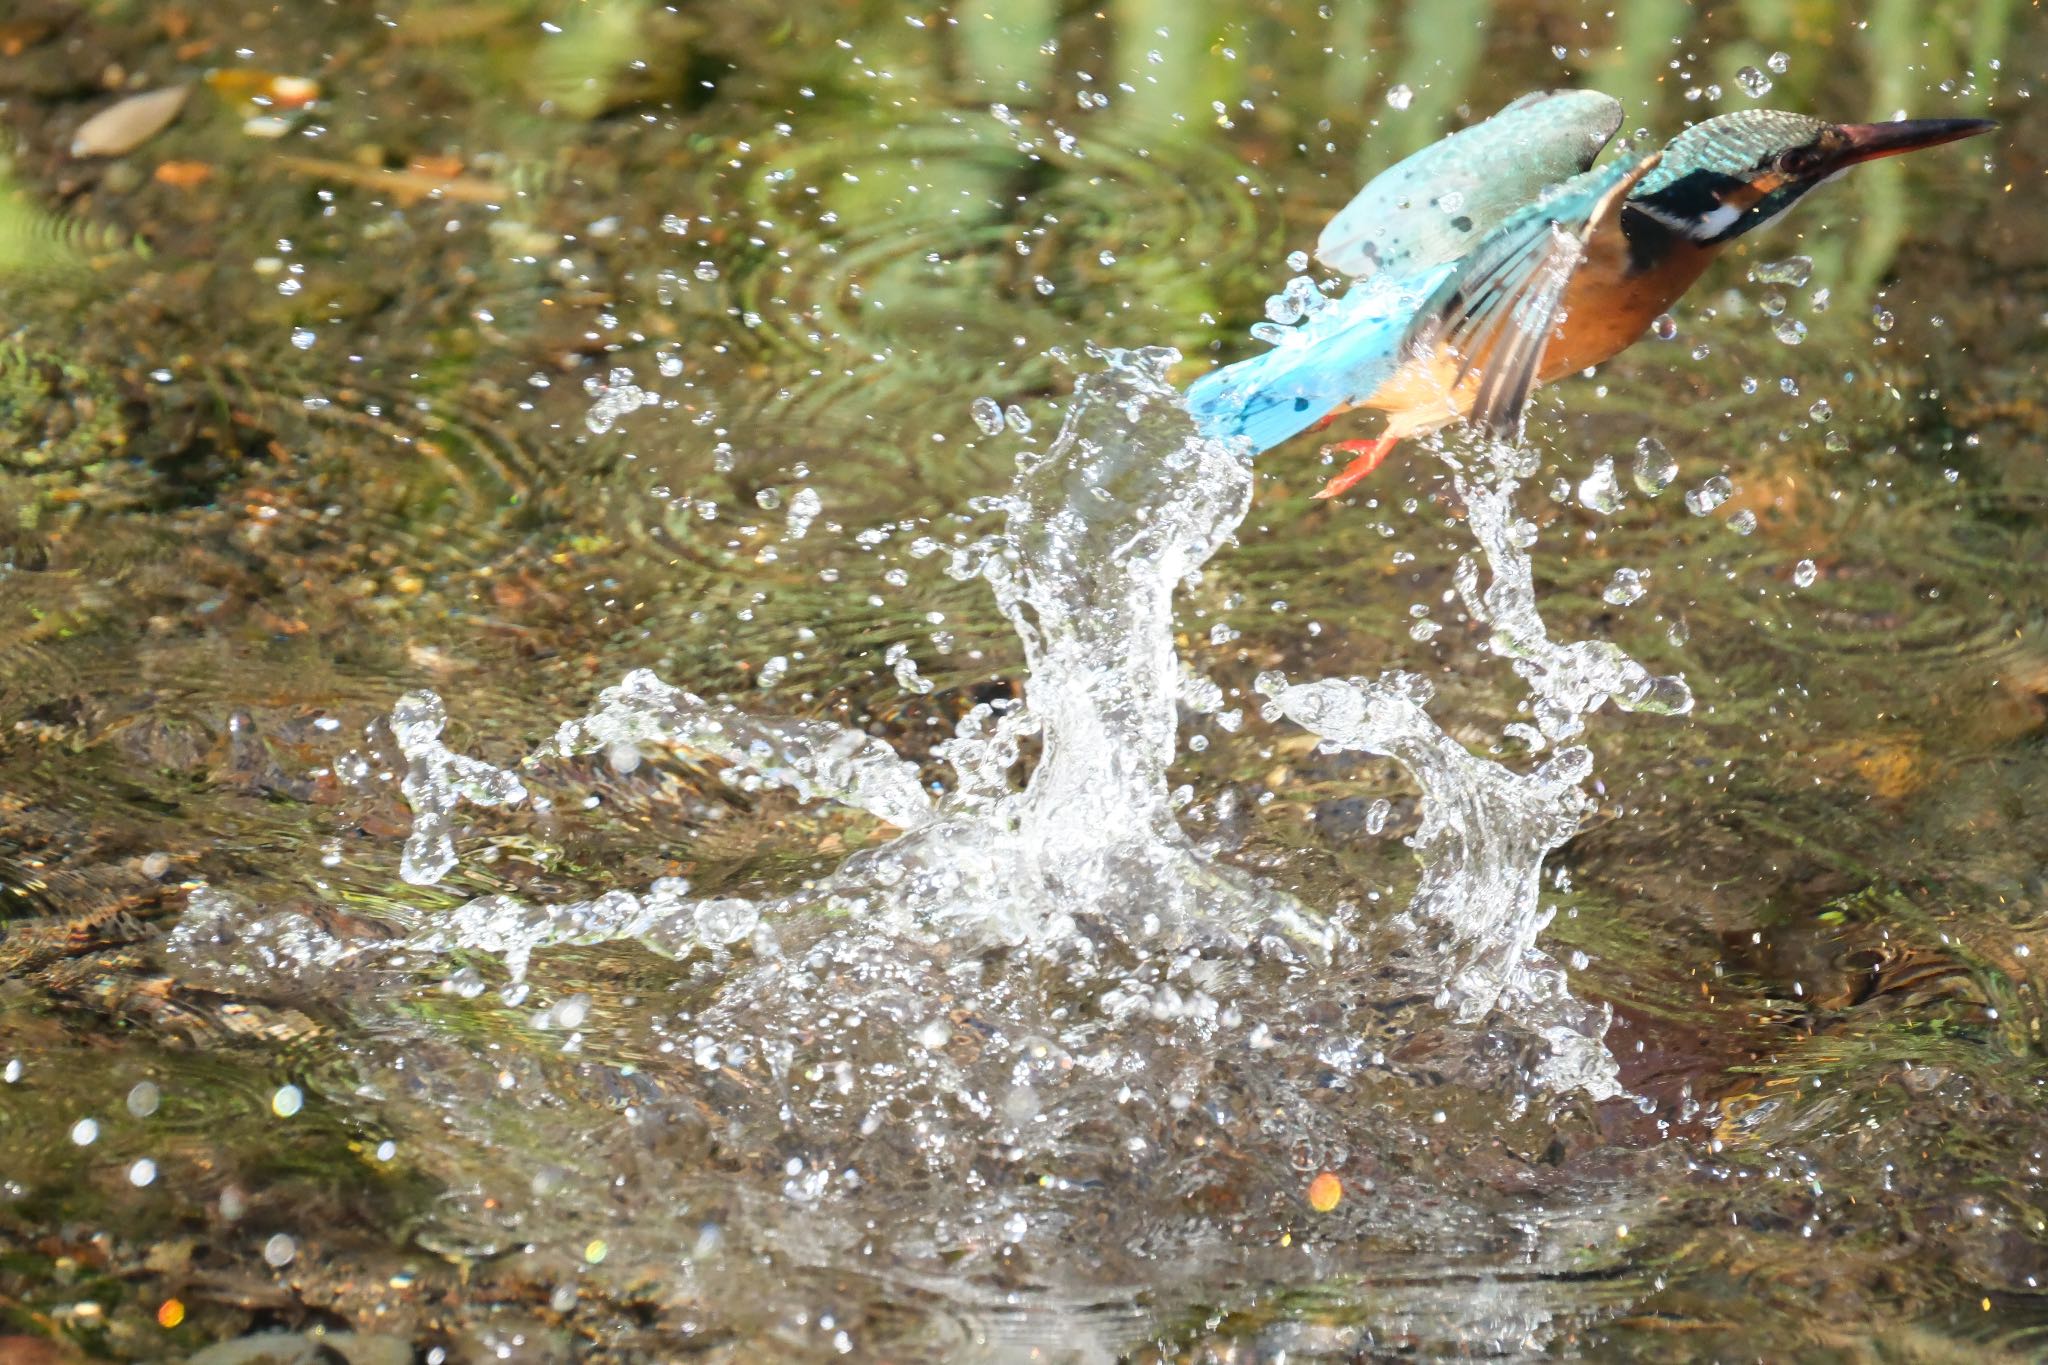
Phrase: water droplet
[1754,83]
[768,499]
[1297,261]
[85,1132]
[1743,522]
[1600,491]
[935,1034]
[705,271]
[1400,97]
[1376,815]
[571,1013]
[1804,573]
[304,337]
[772,671]
[1837,441]
[279,1251]
[1779,62]
[1791,331]
[1882,319]
[288,1100]
[1709,495]
[1625,587]
[1016,419]
[143,1098]
[1773,304]
[726,921]
[1656,469]
[1106,257]
[1664,327]
[1821,411]
[12,1071]
[142,1172]
[988,415]
[1422,632]
[1041,284]
[1793,271]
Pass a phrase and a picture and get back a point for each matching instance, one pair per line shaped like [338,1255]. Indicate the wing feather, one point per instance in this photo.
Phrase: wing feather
[1497,311]
[1434,206]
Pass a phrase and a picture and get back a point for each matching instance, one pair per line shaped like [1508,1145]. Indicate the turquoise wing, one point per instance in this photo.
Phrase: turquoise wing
[1501,302]
[1436,205]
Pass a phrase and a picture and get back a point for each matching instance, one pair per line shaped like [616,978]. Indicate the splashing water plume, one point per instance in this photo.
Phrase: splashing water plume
[1033,989]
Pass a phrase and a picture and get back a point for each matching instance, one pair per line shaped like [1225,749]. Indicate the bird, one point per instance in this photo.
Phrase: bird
[1499,258]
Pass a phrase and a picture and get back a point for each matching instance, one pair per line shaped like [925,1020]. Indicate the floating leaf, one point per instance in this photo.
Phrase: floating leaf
[127,124]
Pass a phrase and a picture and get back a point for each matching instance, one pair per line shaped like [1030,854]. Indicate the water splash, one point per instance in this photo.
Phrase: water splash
[1124,506]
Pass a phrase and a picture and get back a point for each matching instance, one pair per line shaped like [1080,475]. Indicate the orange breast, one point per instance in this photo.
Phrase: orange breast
[1605,310]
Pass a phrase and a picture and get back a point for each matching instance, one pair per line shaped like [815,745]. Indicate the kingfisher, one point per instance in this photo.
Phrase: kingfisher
[1498,259]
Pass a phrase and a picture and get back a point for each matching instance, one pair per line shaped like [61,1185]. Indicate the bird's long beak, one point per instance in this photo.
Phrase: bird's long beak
[1869,141]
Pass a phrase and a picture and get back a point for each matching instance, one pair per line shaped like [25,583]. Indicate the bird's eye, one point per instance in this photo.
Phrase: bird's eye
[1798,161]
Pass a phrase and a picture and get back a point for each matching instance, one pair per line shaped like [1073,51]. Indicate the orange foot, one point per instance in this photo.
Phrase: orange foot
[1373,452]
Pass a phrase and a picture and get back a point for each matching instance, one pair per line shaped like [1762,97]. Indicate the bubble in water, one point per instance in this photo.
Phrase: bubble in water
[768,499]
[1821,410]
[1837,442]
[142,1172]
[988,415]
[143,1098]
[1709,495]
[935,1034]
[1625,587]
[1400,97]
[1656,468]
[1664,327]
[12,1072]
[1041,284]
[1791,331]
[1017,420]
[705,271]
[1804,573]
[288,1100]
[1779,62]
[304,337]
[1600,491]
[772,671]
[1793,270]
[1882,319]
[1297,261]
[279,1251]
[85,1132]
[1773,304]
[1743,522]
[1754,83]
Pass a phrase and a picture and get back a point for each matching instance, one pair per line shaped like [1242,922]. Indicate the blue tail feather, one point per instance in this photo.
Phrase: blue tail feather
[1341,357]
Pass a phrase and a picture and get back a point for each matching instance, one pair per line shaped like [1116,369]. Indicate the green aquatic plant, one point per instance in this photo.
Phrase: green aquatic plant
[39,245]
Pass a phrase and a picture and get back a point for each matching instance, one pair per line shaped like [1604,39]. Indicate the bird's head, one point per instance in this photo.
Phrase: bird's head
[1732,174]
